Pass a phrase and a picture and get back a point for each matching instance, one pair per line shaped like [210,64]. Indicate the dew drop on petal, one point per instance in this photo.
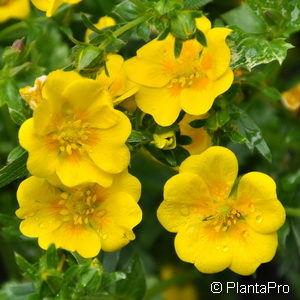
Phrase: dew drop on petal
[104,236]
[225,249]
[259,218]
[251,207]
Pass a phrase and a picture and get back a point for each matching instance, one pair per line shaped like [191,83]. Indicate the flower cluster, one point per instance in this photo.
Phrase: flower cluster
[78,156]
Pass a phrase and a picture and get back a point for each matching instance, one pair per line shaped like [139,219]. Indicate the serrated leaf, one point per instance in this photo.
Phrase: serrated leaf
[281,14]
[249,133]
[87,56]
[249,50]
[14,170]
[126,10]
[244,17]
[195,4]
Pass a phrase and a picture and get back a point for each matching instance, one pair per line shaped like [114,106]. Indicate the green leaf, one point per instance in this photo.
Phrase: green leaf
[89,24]
[126,10]
[143,31]
[198,123]
[88,55]
[248,50]
[134,287]
[244,17]
[52,258]
[14,170]
[200,37]
[183,25]
[281,14]
[177,47]
[195,4]
[112,278]
[15,154]
[184,140]
[9,94]
[28,270]
[248,132]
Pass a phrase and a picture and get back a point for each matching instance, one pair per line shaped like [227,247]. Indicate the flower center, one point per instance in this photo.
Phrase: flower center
[223,221]
[72,136]
[80,205]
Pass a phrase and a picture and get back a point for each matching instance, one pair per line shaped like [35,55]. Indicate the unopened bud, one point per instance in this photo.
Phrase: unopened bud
[18,45]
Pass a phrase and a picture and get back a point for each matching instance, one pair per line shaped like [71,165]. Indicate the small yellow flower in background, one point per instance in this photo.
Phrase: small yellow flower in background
[291,98]
[117,83]
[103,23]
[18,9]
[85,218]
[178,292]
[33,94]
[165,140]
[50,6]
[218,228]
[200,138]
[75,132]
[190,82]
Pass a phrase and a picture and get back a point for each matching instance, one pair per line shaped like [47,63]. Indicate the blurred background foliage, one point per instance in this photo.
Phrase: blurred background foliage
[148,268]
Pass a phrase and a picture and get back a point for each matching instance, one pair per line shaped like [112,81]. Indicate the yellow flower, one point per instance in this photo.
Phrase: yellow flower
[33,94]
[103,23]
[50,6]
[200,138]
[165,140]
[190,82]
[291,98]
[218,228]
[18,9]
[117,83]
[75,132]
[186,291]
[84,218]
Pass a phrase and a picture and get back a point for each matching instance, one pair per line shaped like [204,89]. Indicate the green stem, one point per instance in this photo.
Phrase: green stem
[292,211]
[129,26]
[13,28]
[138,3]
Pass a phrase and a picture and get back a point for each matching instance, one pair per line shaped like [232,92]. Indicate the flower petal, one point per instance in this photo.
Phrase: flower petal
[160,103]
[182,201]
[77,170]
[80,238]
[250,249]
[39,153]
[122,214]
[218,168]
[257,201]
[195,244]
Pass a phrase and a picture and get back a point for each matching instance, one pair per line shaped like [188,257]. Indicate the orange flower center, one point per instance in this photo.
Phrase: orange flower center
[80,205]
[72,136]
[224,220]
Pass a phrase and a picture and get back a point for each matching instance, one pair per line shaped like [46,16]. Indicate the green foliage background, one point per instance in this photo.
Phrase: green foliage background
[249,118]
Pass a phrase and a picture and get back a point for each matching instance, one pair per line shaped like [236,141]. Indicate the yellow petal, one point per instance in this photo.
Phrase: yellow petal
[80,238]
[159,103]
[14,9]
[122,214]
[198,100]
[203,24]
[182,201]
[125,182]
[218,168]
[215,58]
[195,244]
[39,153]
[146,73]
[257,201]
[76,171]
[250,249]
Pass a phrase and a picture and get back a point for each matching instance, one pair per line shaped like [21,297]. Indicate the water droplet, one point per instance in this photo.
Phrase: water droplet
[251,207]
[185,211]
[245,233]
[104,236]
[42,225]
[225,249]
[259,218]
